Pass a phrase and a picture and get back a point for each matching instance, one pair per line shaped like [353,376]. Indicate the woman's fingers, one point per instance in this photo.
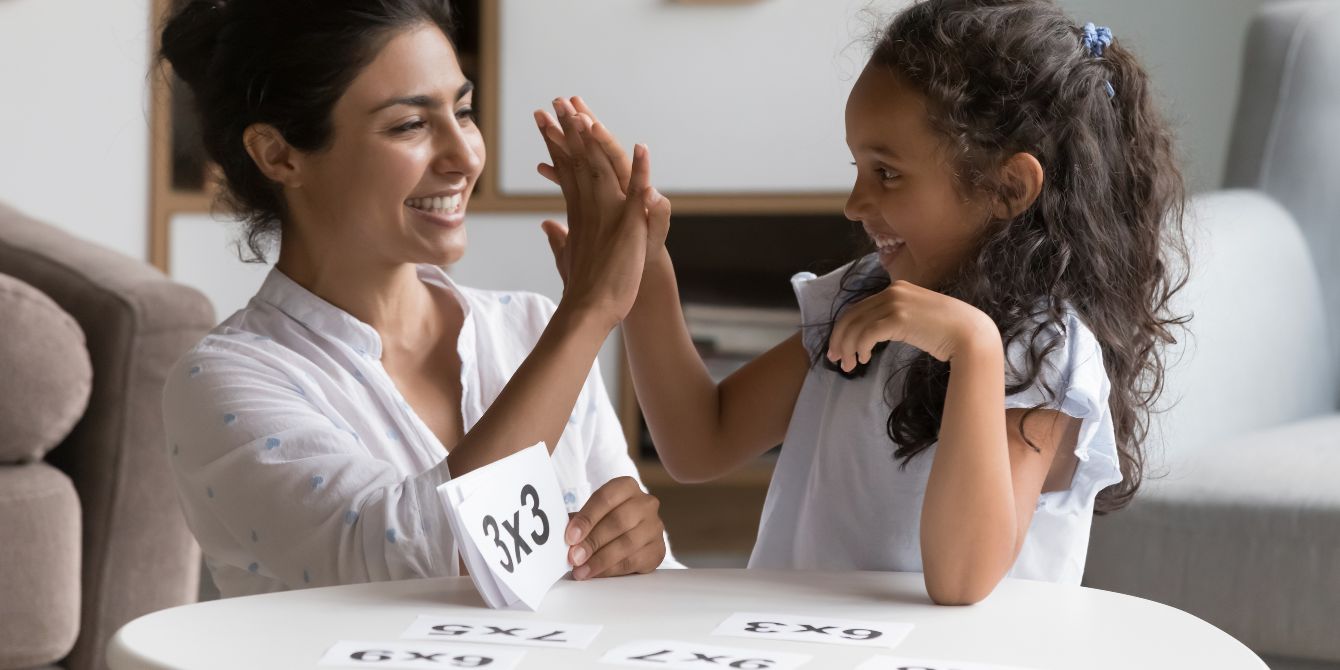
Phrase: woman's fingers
[561,172]
[557,234]
[600,168]
[550,128]
[548,172]
[615,151]
[569,121]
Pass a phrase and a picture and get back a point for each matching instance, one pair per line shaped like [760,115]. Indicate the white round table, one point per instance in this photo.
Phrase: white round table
[1023,623]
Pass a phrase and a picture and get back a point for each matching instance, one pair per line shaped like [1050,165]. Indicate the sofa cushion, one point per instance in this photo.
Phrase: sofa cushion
[47,376]
[39,524]
[1246,537]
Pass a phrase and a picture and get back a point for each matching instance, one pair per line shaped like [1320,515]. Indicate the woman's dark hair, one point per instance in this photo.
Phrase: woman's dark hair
[1105,234]
[280,62]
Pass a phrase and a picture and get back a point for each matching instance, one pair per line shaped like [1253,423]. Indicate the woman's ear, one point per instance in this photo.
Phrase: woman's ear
[1023,177]
[277,160]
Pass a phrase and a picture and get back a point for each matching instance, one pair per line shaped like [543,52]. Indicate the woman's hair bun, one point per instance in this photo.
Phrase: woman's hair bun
[191,35]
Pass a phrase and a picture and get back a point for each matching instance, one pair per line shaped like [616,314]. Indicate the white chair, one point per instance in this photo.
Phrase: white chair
[1244,528]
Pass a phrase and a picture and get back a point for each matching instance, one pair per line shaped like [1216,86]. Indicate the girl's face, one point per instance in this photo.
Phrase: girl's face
[905,193]
[406,152]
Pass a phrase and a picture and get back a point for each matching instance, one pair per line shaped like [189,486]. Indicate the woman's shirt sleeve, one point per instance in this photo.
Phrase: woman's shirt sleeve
[273,485]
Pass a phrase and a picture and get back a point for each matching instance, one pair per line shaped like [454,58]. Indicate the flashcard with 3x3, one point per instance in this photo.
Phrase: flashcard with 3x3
[508,519]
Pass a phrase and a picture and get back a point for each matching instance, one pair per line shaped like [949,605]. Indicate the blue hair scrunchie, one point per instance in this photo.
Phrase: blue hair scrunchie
[1097,39]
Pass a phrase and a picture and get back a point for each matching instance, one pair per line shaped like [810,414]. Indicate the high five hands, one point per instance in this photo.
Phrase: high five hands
[614,217]
[571,138]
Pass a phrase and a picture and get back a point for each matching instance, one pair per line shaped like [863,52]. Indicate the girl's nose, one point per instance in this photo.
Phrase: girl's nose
[857,204]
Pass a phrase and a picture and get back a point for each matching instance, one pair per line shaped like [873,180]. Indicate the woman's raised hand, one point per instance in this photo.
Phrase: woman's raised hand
[558,136]
[601,256]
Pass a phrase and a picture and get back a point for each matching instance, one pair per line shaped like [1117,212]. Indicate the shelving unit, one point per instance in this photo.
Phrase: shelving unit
[719,517]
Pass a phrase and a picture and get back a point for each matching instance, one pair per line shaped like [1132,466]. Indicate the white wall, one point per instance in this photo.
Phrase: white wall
[654,70]
[1193,49]
[74,122]
[74,130]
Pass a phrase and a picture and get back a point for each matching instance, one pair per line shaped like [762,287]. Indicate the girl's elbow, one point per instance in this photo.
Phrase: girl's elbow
[961,590]
[686,472]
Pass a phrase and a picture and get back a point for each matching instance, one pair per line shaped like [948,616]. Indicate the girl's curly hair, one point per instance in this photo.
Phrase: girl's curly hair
[1103,237]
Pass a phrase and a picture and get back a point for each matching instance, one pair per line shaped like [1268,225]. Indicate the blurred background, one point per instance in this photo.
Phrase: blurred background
[741,103]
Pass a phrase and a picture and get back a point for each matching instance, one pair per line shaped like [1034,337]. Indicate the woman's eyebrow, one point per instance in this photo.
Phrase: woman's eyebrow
[426,101]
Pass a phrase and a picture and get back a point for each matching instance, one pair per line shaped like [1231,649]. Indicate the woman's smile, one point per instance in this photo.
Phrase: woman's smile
[446,210]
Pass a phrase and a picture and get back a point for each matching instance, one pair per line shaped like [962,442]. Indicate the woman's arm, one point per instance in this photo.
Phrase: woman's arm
[272,484]
[607,250]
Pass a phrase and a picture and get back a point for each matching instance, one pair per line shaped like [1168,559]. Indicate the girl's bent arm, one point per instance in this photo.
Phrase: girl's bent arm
[985,481]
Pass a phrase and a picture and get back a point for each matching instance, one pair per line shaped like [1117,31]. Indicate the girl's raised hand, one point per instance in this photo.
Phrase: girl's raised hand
[904,312]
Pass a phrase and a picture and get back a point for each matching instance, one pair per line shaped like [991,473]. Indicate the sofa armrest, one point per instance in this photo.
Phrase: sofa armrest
[138,554]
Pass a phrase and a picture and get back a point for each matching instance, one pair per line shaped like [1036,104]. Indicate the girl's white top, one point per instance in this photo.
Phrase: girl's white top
[838,498]
[299,464]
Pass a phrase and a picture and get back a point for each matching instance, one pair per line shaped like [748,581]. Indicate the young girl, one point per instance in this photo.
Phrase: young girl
[963,400]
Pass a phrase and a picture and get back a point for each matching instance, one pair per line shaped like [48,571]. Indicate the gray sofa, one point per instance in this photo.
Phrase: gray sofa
[91,533]
[1243,529]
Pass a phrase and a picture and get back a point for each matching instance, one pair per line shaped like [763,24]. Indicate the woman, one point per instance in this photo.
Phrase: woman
[310,431]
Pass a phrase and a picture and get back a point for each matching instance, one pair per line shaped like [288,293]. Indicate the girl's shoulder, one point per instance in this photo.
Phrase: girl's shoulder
[1058,363]
[820,296]
[850,277]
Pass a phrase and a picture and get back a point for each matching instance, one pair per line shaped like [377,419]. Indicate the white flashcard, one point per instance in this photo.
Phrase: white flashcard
[415,655]
[899,663]
[694,656]
[521,632]
[508,517]
[805,628]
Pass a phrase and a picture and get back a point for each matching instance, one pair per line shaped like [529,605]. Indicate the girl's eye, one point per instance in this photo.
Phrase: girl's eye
[884,173]
[466,114]
[409,126]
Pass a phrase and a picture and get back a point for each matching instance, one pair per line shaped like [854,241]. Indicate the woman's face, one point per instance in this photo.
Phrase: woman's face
[905,193]
[405,154]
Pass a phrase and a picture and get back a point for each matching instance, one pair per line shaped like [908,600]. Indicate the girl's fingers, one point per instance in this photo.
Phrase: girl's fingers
[642,198]
[640,173]
[842,343]
[658,215]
